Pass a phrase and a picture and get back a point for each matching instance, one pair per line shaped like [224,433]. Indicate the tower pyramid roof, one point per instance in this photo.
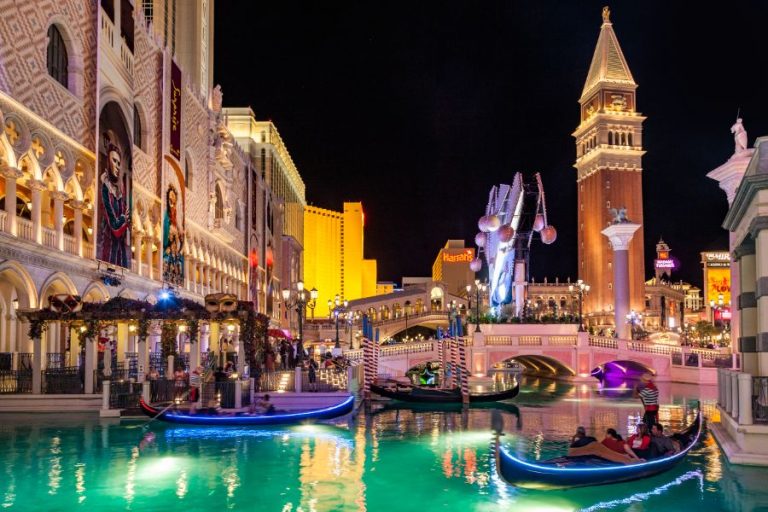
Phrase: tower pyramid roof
[608,62]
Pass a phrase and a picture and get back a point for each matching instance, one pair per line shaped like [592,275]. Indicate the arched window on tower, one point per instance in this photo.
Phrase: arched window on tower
[58,65]
[137,128]
[610,138]
[629,139]
[623,139]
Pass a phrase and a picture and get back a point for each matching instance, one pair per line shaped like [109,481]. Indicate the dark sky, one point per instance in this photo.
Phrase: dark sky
[416,108]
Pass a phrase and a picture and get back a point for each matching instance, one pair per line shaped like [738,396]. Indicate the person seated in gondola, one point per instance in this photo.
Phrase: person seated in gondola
[638,445]
[266,406]
[613,441]
[580,438]
[583,445]
[661,445]
[428,376]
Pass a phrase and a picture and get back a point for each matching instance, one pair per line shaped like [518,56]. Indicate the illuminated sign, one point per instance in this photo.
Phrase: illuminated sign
[716,259]
[465,256]
[718,282]
[175,101]
[665,263]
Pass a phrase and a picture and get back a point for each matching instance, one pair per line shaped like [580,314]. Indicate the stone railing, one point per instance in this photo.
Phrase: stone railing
[87,249]
[107,29]
[26,229]
[603,342]
[70,244]
[739,394]
[493,340]
[49,238]
[414,317]
[406,348]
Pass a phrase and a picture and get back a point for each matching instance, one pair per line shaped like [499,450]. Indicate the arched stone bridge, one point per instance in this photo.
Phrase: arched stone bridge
[564,355]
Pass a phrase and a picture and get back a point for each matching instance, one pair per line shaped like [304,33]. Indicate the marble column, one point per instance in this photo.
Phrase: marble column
[90,364]
[11,174]
[37,365]
[37,188]
[194,350]
[747,304]
[148,256]
[154,336]
[137,238]
[77,207]
[58,217]
[143,359]
[761,295]
[620,235]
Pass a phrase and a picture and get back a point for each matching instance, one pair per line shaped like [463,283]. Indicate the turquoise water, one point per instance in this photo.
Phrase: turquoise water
[388,459]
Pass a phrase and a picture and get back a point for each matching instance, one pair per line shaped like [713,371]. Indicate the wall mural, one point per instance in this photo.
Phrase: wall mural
[113,238]
[173,238]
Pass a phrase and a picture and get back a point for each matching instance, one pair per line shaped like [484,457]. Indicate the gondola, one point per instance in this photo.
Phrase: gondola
[566,472]
[240,420]
[420,394]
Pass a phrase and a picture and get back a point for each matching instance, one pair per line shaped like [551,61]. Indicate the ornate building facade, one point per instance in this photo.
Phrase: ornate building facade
[118,174]
[609,150]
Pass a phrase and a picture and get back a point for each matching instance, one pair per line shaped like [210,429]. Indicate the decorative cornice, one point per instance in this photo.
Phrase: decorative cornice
[757,224]
[745,248]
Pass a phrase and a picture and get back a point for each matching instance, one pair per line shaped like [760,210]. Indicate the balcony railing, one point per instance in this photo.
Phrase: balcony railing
[107,30]
[70,244]
[49,238]
[126,56]
[25,229]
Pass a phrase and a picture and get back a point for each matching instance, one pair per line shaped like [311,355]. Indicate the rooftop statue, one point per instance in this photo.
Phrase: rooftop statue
[739,136]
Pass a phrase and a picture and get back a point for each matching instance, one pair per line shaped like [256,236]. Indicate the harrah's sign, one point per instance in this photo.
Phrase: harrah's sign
[464,256]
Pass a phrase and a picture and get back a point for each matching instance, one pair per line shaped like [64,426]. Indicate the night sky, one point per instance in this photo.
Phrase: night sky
[416,108]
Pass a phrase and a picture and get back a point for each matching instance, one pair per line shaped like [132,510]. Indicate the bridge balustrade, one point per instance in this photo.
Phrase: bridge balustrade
[640,346]
[406,348]
[529,341]
[603,342]
[570,341]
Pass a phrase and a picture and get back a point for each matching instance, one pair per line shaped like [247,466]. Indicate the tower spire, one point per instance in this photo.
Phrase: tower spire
[608,63]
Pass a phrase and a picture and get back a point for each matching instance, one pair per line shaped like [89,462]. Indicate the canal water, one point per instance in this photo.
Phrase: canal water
[388,459]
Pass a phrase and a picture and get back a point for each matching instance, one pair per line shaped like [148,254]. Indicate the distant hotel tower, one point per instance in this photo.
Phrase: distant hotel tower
[609,150]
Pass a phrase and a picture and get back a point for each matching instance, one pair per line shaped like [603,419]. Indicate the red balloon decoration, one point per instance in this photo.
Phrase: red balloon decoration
[548,234]
[506,233]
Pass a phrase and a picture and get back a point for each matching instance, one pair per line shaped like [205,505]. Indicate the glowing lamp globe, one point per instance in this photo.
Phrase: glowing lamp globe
[506,233]
[475,265]
[548,234]
[538,222]
[494,223]
[480,239]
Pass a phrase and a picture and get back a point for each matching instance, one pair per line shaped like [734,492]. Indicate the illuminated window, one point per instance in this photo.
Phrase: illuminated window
[58,66]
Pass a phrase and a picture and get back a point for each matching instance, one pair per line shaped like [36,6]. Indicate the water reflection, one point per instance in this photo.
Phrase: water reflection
[391,457]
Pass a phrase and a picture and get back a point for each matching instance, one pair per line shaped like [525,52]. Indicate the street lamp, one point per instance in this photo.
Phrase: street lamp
[312,303]
[634,319]
[300,299]
[712,311]
[479,288]
[407,307]
[337,307]
[581,288]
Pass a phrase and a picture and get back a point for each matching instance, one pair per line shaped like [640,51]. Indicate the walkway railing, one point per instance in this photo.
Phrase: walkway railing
[62,381]
[742,397]
[12,381]
[760,398]
[277,381]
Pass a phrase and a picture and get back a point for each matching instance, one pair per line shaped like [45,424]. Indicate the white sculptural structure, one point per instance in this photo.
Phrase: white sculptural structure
[739,136]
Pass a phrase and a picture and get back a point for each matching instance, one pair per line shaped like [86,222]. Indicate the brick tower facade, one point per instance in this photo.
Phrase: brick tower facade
[609,150]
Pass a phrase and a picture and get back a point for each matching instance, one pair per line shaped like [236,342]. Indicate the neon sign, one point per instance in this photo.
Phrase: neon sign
[462,257]
[665,263]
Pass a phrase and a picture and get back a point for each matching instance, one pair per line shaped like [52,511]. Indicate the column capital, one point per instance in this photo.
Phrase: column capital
[76,204]
[620,234]
[36,185]
[59,196]
[9,172]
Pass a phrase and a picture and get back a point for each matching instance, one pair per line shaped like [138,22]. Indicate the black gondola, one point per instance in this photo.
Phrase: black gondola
[425,395]
[276,418]
[566,472]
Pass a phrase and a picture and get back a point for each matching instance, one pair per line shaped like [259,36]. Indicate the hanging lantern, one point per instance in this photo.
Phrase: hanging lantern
[494,223]
[475,265]
[538,222]
[480,239]
[548,234]
[506,233]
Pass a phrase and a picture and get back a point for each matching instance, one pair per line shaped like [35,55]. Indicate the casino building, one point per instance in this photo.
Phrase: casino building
[119,175]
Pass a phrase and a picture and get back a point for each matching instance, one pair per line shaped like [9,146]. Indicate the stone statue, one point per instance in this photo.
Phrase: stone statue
[217,99]
[739,136]
[619,215]
[606,14]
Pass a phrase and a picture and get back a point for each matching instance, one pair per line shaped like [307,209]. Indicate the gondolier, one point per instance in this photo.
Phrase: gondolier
[649,395]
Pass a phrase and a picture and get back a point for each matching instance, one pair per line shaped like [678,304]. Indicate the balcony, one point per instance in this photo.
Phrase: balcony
[26,229]
[49,238]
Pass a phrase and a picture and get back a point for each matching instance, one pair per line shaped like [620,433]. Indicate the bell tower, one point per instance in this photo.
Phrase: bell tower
[609,151]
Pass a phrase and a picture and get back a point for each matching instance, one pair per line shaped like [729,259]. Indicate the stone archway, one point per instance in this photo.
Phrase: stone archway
[17,291]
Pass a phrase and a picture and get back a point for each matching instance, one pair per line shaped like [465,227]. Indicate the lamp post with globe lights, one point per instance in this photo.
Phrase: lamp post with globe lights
[479,289]
[299,299]
[580,288]
[337,307]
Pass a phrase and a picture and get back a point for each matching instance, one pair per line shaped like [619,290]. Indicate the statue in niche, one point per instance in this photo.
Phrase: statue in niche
[217,98]
[739,136]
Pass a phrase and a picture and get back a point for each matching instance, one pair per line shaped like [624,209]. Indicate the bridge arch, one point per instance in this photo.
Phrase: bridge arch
[621,368]
[537,364]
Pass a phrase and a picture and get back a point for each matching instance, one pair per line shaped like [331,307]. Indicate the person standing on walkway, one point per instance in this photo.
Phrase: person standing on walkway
[649,396]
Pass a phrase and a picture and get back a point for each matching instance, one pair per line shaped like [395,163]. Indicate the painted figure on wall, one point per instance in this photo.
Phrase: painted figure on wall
[173,239]
[114,205]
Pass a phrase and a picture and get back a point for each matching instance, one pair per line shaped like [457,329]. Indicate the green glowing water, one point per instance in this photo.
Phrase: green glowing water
[393,460]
